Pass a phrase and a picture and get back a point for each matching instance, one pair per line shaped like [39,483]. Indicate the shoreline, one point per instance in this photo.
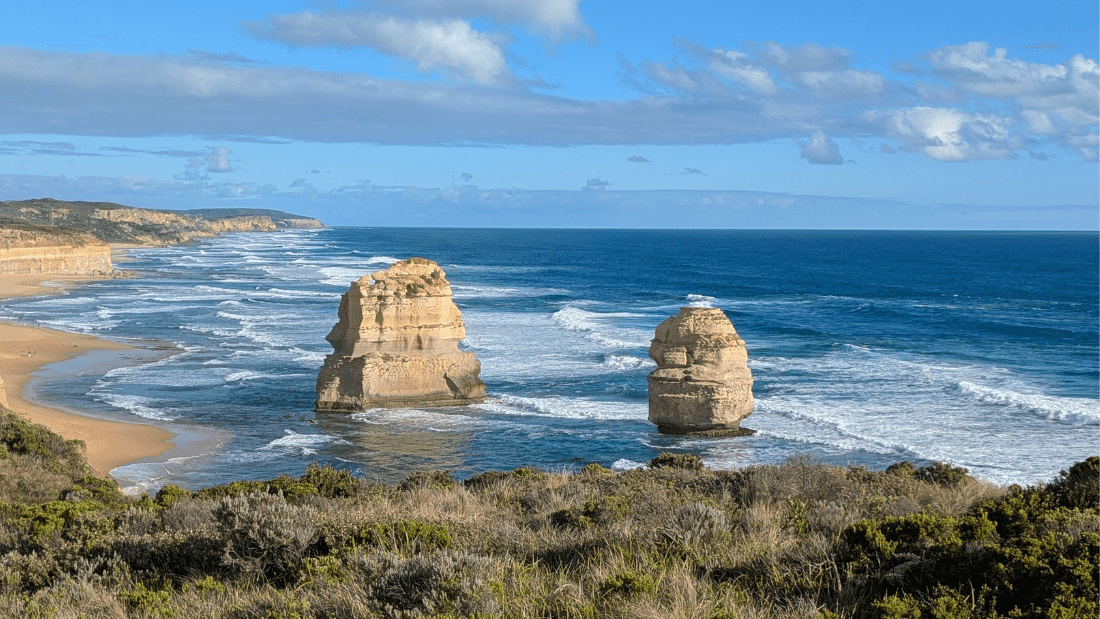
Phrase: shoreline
[26,350]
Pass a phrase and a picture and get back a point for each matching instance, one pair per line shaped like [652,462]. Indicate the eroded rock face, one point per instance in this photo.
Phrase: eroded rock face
[396,344]
[3,394]
[702,382]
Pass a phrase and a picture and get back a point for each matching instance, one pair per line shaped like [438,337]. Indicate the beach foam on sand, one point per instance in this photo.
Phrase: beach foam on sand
[24,350]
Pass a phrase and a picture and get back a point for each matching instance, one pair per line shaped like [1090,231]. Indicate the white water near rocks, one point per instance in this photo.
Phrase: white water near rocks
[864,351]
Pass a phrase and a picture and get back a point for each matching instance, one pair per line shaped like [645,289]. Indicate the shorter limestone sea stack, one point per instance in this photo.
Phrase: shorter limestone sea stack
[702,384]
[396,344]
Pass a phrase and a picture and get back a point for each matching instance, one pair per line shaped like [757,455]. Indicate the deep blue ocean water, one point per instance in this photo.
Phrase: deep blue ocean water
[975,348]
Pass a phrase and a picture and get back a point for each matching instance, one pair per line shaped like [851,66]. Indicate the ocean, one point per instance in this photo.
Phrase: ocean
[981,349]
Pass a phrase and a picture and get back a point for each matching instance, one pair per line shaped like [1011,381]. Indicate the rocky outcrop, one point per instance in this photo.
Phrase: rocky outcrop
[396,344]
[3,395]
[30,249]
[702,383]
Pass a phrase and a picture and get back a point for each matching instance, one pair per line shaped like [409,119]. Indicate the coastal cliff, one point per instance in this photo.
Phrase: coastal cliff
[32,249]
[116,223]
[52,236]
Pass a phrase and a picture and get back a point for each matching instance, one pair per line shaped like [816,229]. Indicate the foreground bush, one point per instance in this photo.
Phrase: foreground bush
[799,539]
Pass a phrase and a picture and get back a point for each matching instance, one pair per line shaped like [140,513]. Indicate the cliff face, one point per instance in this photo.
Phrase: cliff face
[29,249]
[396,344]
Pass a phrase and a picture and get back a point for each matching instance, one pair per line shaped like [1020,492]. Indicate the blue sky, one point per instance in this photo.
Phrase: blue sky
[562,113]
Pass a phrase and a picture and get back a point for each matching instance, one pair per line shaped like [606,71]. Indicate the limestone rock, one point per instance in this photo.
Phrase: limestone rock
[702,382]
[396,344]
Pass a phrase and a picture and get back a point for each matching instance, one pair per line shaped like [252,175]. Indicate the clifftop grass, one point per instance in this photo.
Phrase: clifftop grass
[799,539]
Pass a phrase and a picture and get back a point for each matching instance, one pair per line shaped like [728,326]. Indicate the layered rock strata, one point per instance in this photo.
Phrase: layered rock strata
[702,383]
[30,249]
[396,344]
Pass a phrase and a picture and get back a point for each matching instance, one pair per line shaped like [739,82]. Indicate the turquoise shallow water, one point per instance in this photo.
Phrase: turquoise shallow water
[867,348]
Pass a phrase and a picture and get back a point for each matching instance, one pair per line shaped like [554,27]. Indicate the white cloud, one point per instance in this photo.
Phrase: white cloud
[1059,100]
[821,149]
[215,160]
[847,84]
[451,45]
[947,134]
[559,18]
[719,96]
[974,69]
[739,67]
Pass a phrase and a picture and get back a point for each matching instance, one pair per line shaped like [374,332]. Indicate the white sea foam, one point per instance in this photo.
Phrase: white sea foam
[626,363]
[340,276]
[700,300]
[1076,411]
[244,375]
[599,327]
[419,418]
[136,404]
[622,464]
[561,407]
[303,443]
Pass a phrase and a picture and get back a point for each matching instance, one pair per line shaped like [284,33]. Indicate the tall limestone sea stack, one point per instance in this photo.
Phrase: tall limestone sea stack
[396,344]
[702,384]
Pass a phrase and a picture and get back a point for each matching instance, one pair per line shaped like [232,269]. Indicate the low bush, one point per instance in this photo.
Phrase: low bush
[677,461]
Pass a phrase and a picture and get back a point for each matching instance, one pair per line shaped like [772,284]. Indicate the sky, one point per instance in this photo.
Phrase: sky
[562,113]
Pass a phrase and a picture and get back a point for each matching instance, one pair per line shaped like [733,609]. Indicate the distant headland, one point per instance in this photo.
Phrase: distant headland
[54,236]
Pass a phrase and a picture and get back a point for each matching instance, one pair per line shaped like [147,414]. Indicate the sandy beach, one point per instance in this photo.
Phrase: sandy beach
[24,350]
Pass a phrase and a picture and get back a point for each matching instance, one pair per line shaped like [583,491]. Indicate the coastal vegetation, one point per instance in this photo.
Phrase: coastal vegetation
[675,539]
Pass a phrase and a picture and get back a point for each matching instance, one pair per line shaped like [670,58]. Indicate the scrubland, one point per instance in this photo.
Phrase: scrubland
[801,539]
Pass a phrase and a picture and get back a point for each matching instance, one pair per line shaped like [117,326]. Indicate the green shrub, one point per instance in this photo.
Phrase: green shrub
[943,474]
[170,495]
[594,469]
[440,584]
[694,528]
[58,455]
[1078,488]
[42,520]
[601,512]
[629,583]
[265,536]
[151,602]
[332,483]
[677,461]
[415,535]
[486,479]
[439,480]
[1020,555]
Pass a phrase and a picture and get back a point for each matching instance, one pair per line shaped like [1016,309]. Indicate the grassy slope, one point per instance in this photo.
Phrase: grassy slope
[674,540]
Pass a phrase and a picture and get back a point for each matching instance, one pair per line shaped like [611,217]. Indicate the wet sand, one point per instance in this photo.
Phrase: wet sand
[24,350]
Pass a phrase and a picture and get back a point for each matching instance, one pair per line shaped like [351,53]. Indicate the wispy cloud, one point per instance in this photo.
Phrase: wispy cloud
[32,147]
[452,46]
